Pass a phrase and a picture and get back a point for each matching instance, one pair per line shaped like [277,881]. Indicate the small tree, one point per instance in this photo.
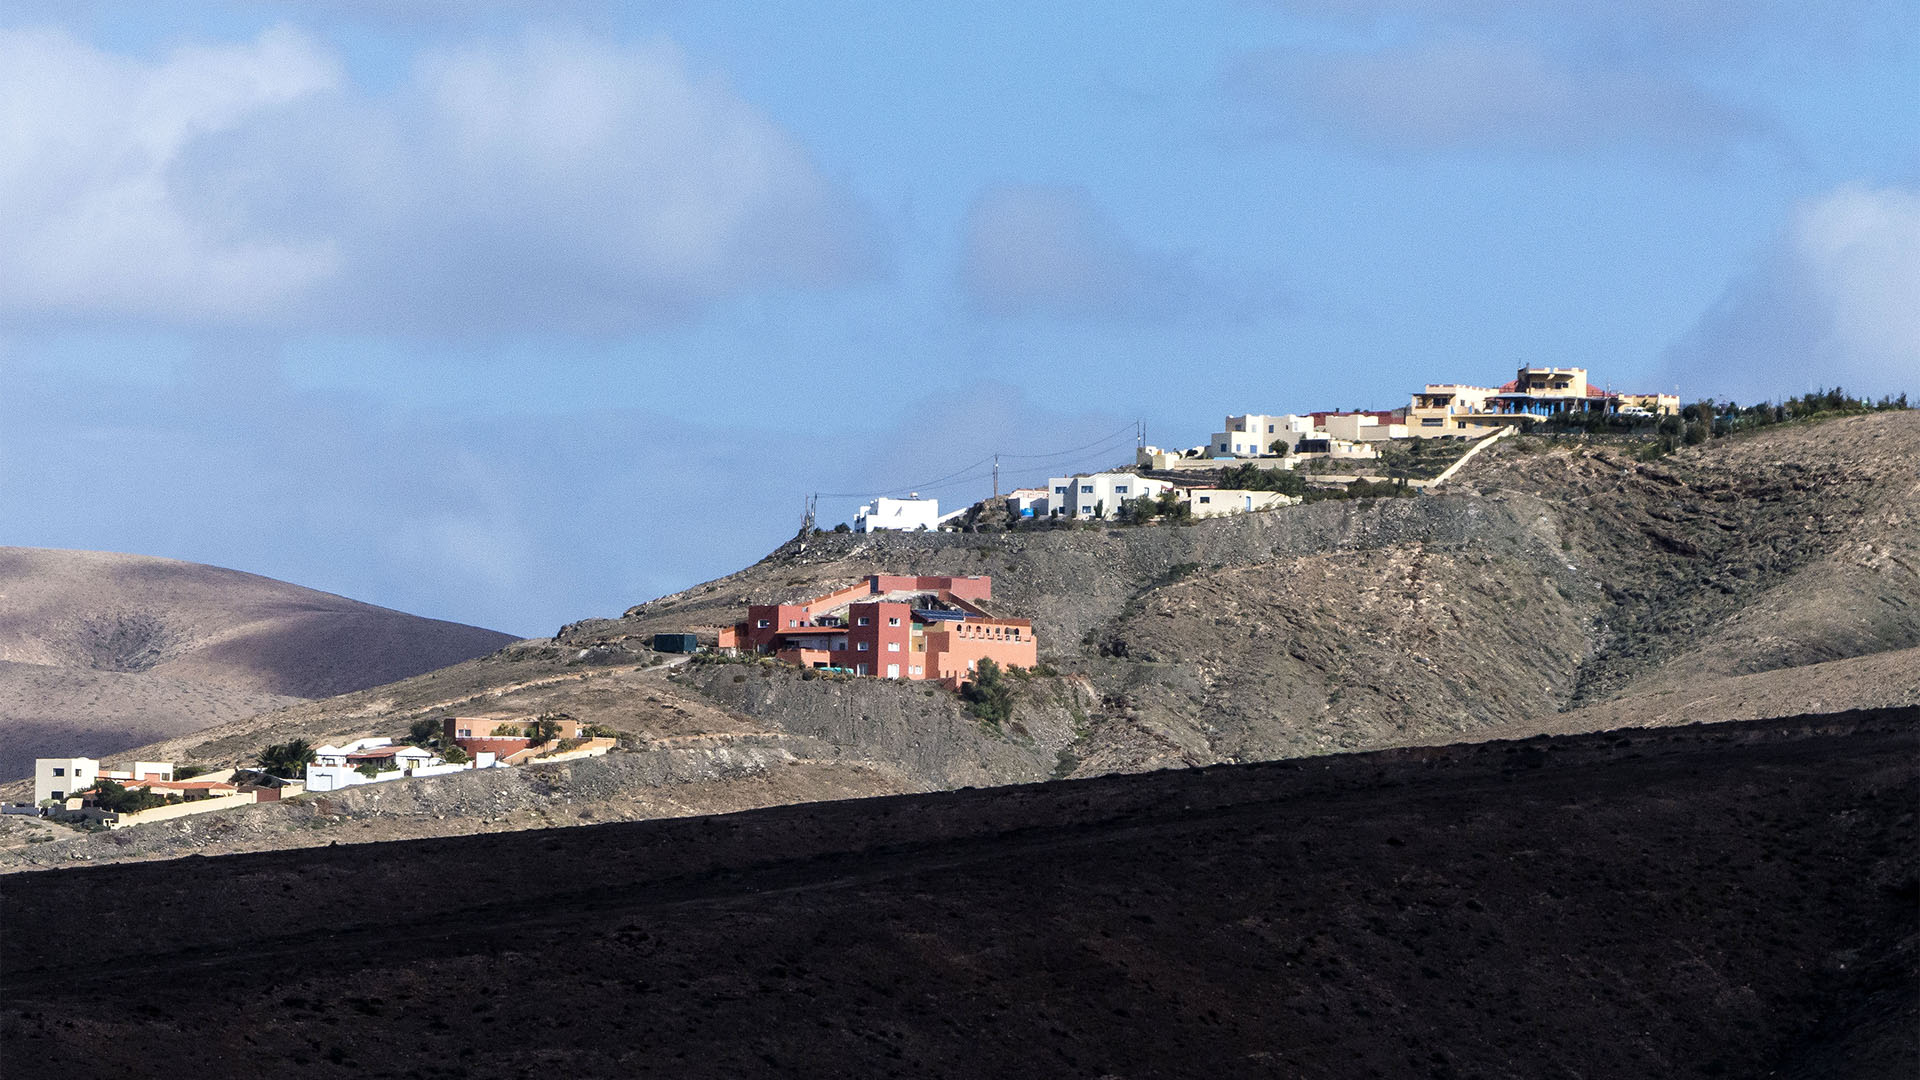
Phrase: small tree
[543,728]
[988,694]
[286,760]
[454,755]
[426,732]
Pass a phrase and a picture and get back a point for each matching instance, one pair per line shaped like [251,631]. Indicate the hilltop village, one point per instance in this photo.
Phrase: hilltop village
[1337,448]
[940,629]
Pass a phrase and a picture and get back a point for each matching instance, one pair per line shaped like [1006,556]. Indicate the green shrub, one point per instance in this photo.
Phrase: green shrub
[286,760]
[988,695]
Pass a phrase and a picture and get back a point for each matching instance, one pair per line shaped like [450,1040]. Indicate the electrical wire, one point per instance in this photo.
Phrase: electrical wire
[966,475]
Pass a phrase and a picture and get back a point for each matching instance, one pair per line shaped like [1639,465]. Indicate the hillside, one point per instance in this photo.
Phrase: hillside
[1561,586]
[101,652]
[1673,904]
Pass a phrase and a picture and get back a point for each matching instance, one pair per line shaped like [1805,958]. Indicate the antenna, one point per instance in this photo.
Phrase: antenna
[806,522]
[996,477]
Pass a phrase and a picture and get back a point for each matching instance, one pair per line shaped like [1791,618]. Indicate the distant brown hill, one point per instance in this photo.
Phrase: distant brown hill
[101,651]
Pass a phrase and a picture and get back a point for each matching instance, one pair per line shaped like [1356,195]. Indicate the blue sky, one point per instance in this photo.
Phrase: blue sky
[515,313]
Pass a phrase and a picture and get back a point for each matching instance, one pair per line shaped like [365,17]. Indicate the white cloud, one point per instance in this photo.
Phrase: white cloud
[1030,250]
[88,220]
[549,182]
[1835,302]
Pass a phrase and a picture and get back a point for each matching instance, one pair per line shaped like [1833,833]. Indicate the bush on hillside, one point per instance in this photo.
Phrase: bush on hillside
[989,696]
[287,760]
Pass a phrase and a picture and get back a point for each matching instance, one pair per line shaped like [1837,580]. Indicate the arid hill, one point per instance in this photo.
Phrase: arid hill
[100,652]
[1561,586]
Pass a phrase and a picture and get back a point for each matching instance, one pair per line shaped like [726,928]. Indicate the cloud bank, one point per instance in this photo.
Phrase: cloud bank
[541,183]
[1836,301]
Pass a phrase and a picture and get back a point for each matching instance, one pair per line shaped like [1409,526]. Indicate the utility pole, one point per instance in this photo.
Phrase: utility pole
[996,477]
[806,522]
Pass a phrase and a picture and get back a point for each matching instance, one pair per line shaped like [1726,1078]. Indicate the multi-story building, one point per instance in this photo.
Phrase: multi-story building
[54,779]
[1099,494]
[892,627]
[1448,409]
[1254,434]
[1536,393]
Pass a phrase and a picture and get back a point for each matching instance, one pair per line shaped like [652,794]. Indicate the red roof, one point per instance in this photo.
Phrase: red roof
[1510,386]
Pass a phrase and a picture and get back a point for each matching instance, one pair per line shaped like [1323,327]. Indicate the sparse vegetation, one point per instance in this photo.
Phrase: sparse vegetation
[287,760]
[988,694]
[115,798]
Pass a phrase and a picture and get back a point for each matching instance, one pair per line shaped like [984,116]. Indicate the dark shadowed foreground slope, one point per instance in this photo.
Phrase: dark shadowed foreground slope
[1727,900]
[100,652]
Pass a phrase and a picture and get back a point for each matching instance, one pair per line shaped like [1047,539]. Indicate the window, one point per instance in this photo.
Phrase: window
[793,622]
[1061,490]
[1223,447]
[464,733]
[893,620]
[59,794]
[1432,421]
[1269,429]
[859,669]
[1119,489]
[864,620]
[1206,498]
[59,772]
[893,646]
[916,670]
[860,646]
[764,623]
[1086,489]
[893,671]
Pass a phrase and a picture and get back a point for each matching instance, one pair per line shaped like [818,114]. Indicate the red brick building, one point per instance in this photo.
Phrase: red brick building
[891,627]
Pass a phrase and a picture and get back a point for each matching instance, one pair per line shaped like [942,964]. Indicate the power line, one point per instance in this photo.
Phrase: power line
[966,475]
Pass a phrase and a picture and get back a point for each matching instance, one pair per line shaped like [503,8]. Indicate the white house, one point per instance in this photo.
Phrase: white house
[1254,434]
[335,767]
[57,778]
[1027,502]
[1099,494]
[1219,502]
[904,515]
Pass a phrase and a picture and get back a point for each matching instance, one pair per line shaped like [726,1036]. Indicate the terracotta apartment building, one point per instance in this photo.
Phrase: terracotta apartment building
[892,627]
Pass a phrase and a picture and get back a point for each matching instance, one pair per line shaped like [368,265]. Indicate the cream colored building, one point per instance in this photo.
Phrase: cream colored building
[1361,427]
[1254,434]
[1449,409]
[1655,404]
[1220,502]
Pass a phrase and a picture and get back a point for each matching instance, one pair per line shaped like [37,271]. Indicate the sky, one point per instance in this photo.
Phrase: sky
[516,313]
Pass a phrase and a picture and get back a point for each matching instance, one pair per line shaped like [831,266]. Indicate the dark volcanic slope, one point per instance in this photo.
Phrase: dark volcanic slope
[101,652]
[1733,900]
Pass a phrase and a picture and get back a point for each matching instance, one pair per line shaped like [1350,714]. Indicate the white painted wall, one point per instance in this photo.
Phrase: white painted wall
[1080,496]
[898,514]
[63,775]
